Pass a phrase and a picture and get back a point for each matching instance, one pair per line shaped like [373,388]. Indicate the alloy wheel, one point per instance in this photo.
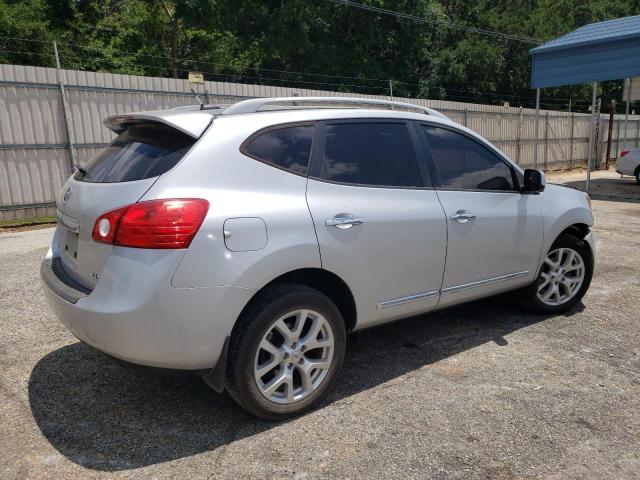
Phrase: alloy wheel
[563,273]
[294,356]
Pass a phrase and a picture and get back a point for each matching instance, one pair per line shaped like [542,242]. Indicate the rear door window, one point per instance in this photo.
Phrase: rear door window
[371,153]
[287,148]
[143,150]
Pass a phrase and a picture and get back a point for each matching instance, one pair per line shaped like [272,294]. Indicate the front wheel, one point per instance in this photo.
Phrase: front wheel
[285,352]
[564,277]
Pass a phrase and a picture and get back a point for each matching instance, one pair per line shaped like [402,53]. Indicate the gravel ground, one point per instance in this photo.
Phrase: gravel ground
[479,391]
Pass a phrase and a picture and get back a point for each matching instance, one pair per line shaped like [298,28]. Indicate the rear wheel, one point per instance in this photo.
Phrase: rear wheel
[638,174]
[285,352]
[564,277]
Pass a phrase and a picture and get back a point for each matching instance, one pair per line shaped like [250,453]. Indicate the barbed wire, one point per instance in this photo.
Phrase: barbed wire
[454,94]
[232,66]
[442,23]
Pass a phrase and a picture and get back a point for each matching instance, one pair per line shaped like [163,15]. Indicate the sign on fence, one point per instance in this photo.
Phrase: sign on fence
[196,77]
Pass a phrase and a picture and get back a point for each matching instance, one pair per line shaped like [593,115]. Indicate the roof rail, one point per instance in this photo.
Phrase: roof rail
[255,104]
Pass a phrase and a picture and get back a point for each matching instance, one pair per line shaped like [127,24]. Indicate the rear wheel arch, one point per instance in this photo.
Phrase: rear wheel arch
[325,282]
[319,279]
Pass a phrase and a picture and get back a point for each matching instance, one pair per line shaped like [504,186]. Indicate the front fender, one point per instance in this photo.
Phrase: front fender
[571,217]
[562,207]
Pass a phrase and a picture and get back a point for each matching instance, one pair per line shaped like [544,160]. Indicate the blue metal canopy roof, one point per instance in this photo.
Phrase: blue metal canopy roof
[600,51]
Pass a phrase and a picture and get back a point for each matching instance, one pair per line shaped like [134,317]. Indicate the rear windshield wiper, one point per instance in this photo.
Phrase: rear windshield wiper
[80,169]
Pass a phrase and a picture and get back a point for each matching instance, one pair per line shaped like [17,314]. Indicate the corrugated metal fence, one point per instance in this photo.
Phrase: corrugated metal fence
[34,141]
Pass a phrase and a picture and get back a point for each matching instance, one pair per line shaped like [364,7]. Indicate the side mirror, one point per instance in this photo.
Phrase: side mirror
[534,181]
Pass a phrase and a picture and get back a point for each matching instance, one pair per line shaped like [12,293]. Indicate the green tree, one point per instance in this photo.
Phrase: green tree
[322,44]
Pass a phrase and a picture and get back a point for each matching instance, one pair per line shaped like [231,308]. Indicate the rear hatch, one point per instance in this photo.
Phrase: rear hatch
[118,175]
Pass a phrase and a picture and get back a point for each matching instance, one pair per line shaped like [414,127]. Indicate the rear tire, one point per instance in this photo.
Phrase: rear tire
[285,351]
[563,279]
[638,175]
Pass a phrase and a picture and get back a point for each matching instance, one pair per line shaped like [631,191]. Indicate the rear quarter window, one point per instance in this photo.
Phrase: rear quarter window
[143,150]
[286,147]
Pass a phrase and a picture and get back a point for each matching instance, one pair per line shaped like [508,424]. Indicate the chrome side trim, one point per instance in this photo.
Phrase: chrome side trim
[487,281]
[411,298]
[456,288]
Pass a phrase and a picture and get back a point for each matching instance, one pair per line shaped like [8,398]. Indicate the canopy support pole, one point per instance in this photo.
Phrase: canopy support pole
[591,133]
[626,112]
[535,142]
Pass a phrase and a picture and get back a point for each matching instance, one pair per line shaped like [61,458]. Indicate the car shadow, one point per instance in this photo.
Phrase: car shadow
[615,189]
[102,416]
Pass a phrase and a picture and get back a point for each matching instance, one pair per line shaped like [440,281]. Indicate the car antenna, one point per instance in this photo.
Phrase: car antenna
[195,94]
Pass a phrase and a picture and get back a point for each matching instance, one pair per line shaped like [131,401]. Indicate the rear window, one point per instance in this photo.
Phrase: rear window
[143,150]
[287,148]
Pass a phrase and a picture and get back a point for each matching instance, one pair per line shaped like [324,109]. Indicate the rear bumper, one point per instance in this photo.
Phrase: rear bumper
[54,277]
[138,317]
[151,371]
[626,166]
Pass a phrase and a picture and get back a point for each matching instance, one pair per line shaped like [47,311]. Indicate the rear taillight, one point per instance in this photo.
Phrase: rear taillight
[167,223]
[623,153]
[104,230]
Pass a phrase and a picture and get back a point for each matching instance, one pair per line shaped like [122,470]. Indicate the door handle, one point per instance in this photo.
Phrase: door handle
[462,216]
[343,221]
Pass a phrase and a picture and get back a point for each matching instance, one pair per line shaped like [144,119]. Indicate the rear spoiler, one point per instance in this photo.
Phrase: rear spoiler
[192,123]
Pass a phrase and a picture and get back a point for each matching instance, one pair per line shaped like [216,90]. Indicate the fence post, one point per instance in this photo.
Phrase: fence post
[617,138]
[626,112]
[535,130]
[573,121]
[519,137]
[546,139]
[597,161]
[466,117]
[612,112]
[65,111]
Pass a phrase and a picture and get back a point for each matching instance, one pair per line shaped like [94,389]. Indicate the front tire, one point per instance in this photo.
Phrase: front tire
[564,277]
[285,352]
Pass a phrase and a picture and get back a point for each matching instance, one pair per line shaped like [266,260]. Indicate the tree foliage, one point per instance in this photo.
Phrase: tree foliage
[322,44]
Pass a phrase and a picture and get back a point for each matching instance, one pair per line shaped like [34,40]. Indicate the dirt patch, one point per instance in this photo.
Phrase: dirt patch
[24,228]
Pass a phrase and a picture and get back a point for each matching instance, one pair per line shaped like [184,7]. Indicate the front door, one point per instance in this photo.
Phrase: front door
[379,227]
[494,231]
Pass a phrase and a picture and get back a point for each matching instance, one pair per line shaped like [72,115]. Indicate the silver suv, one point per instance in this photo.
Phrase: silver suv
[243,243]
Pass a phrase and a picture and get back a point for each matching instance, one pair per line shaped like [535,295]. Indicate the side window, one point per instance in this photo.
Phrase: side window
[372,153]
[464,164]
[287,148]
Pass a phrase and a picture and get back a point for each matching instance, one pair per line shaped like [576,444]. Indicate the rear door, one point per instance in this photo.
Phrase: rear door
[118,175]
[494,231]
[379,224]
